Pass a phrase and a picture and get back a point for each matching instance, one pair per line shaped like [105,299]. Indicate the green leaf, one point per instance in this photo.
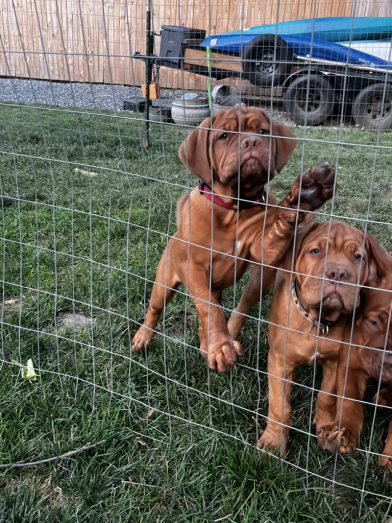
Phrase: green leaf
[28,372]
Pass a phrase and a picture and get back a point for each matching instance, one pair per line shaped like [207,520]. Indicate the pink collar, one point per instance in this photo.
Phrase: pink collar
[206,191]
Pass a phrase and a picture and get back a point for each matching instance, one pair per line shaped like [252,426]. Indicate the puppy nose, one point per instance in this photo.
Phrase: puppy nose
[249,143]
[337,274]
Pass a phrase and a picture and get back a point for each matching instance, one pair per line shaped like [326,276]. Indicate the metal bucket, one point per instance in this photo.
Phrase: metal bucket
[225,95]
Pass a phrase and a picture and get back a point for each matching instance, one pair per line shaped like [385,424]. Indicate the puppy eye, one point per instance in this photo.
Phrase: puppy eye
[357,256]
[223,136]
[314,251]
[372,323]
[262,131]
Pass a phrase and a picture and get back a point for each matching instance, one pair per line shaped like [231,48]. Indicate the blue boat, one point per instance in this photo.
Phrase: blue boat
[332,29]
[317,39]
[303,46]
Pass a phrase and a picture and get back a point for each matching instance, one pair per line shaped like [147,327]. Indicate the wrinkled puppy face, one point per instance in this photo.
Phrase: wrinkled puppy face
[244,142]
[373,329]
[344,258]
[250,152]
[375,318]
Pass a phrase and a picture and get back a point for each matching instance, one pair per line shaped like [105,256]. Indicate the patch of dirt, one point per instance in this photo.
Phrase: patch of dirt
[9,306]
[52,494]
[74,321]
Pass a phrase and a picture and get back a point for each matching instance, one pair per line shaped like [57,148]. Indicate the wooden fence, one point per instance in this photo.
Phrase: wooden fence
[93,40]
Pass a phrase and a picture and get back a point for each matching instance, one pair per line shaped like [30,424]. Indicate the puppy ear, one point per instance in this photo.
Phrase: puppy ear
[195,151]
[286,262]
[284,147]
[380,263]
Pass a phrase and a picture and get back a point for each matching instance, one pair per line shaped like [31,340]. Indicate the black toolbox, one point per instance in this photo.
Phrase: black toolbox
[174,39]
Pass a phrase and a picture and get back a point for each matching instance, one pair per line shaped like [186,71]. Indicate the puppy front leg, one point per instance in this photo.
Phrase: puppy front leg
[309,192]
[215,338]
[384,398]
[345,430]
[280,376]
[326,400]
[202,334]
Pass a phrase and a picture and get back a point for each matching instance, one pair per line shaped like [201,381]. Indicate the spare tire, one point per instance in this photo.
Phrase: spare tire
[266,60]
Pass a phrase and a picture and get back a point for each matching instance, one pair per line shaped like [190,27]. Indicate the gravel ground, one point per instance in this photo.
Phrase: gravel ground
[92,96]
[97,96]
[111,97]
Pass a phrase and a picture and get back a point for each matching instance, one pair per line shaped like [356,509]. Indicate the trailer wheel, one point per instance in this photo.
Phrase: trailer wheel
[371,109]
[309,99]
[264,63]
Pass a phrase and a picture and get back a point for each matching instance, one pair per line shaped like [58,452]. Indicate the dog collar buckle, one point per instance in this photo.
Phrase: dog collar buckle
[323,328]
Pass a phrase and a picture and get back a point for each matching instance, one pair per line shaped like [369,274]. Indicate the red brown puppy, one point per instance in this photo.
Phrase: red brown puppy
[309,311]
[365,353]
[233,160]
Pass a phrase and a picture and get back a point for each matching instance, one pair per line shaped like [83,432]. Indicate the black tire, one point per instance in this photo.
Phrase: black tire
[309,99]
[259,65]
[368,104]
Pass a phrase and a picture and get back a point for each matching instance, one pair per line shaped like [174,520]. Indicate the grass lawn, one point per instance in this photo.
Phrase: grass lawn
[179,441]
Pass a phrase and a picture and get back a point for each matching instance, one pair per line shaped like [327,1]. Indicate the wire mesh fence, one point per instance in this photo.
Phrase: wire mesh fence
[88,212]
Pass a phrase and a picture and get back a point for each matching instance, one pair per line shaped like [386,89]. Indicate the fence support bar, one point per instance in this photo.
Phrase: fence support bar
[148,73]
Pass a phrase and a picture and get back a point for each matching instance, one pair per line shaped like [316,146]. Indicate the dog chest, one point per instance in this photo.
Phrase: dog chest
[228,267]
[321,349]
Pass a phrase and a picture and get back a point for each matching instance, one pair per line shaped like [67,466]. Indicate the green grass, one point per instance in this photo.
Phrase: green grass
[179,441]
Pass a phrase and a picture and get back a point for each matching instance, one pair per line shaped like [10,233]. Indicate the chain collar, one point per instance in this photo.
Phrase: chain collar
[325,326]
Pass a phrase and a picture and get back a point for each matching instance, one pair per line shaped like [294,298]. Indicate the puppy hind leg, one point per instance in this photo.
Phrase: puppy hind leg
[166,281]
[250,297]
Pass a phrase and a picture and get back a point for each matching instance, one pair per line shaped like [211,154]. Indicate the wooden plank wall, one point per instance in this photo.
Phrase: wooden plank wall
[92,40]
